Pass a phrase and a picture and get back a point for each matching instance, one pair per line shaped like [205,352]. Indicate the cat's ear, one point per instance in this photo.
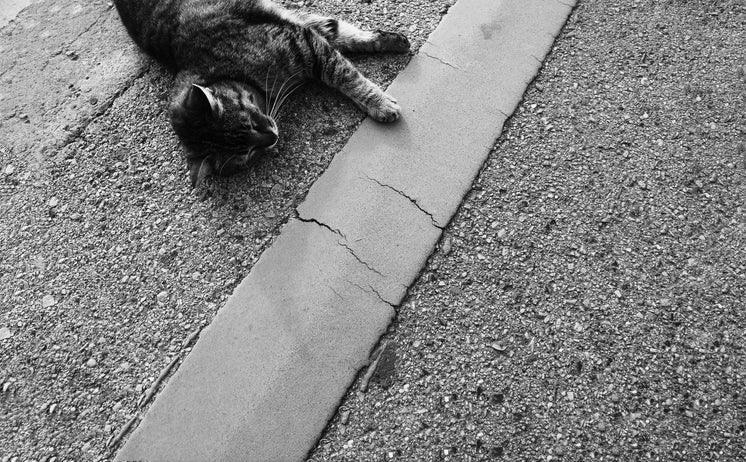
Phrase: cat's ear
[201,99]
[199,170]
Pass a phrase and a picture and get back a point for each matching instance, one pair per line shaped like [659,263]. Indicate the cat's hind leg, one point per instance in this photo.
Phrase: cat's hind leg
[342,35]
[348,38]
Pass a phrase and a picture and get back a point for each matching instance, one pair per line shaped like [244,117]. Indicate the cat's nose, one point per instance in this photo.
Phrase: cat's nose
[267,133]
[268,125]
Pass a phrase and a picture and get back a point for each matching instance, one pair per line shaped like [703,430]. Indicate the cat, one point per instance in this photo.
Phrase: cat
[236,62]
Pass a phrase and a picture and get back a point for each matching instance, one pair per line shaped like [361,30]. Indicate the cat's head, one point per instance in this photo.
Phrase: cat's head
[221,126]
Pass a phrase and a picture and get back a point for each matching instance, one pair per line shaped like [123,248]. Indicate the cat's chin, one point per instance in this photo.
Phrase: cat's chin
[257,152]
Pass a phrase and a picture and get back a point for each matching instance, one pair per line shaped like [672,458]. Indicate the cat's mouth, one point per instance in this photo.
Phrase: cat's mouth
[259,149]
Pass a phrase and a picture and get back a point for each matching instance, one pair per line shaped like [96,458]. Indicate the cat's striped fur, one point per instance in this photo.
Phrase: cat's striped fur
[238,59]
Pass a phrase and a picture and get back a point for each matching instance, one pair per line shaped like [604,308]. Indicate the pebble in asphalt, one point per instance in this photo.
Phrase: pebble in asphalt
[586,302]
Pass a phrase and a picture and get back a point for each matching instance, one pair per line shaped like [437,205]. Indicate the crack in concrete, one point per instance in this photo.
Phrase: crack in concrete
[363,262]
[373,291]
[441,60]
[336,293]
[343,244]
[93,24]
[378,294]
[323,225]
[413,201]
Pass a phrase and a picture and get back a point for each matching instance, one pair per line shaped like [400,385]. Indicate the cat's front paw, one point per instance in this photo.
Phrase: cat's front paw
[388,110]
[392,41]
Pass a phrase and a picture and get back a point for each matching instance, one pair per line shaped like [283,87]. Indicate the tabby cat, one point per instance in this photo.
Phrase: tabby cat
[236,63]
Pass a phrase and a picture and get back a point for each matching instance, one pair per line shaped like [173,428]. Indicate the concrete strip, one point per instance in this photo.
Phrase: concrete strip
[62,63]
[265,377]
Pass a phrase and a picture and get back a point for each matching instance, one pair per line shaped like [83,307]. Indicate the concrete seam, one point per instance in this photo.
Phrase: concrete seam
[96,21]
[64,45]
[77,134]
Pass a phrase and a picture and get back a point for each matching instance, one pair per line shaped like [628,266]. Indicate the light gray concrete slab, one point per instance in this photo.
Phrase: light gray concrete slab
[262,381]
[268,373]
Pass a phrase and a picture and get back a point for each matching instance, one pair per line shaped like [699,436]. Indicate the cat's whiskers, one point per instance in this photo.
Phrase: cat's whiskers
[277,99]
[266,92]
[284,99]
[280,95]
[279,102]
[249,155]
[220,172]
[272,91]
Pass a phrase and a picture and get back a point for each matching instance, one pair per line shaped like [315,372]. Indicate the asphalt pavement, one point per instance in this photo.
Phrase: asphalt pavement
[587,301]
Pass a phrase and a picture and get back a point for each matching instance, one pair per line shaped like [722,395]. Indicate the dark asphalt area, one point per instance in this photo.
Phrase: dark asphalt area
[587,301]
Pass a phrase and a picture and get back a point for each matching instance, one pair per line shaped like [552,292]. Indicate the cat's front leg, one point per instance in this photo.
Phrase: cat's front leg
[338,72]
[386,109]
[368,96]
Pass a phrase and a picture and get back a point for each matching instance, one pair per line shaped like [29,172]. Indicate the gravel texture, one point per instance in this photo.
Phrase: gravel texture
[587,301]
[110,264]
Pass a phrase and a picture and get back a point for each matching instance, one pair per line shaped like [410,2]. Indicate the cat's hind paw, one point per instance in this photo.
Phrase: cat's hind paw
[392,41]
[388,110]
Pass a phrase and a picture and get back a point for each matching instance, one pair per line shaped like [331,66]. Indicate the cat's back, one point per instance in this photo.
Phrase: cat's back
[159,27]
[152,24]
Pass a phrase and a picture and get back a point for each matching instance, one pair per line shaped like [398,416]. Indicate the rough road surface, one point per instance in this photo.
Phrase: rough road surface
[109,263]
[587,302]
